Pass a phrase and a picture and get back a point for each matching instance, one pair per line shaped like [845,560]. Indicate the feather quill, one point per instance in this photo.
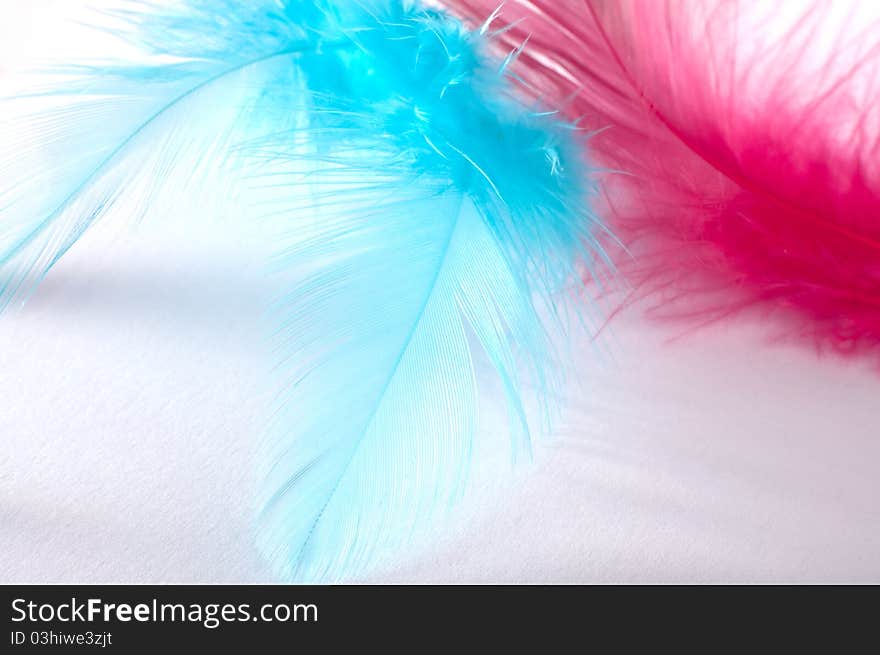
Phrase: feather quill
[749,136]
[427,216]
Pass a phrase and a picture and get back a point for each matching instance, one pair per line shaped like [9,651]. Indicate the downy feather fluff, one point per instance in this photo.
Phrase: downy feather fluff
[748,135]
[426,215]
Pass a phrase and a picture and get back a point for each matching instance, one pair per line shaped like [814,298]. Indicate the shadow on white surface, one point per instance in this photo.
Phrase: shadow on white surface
[133,397]
[133,394]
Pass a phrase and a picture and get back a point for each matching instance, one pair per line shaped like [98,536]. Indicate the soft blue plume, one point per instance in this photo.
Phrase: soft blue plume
[427,214]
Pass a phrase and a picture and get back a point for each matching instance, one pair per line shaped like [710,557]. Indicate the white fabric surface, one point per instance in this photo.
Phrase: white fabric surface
[132,397]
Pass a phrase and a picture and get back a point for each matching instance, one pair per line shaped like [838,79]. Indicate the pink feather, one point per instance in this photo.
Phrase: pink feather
[750,137]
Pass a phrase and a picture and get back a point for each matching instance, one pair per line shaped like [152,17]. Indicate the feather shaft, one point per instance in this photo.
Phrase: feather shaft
[748,136]
[426,215]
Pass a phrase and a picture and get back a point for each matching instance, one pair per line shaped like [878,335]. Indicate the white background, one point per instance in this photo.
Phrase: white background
[132,397]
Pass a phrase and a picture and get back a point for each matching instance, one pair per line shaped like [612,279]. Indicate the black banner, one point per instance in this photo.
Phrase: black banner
[131,619]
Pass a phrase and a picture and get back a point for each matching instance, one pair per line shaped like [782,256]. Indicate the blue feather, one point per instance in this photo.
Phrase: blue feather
[429,216]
